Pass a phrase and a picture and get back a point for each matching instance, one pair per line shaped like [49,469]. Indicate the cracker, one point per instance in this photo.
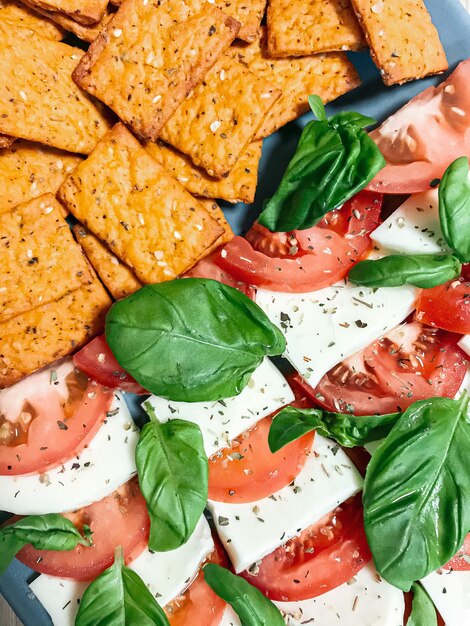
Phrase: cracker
[38,99]
[404,42]
[151,55]
[6,141]
[249,14]
[39,337]
[134,206]
[303,27]
[215,124]
[39,259]
[214,209]
[238,186]
[19,15]
[28,170]
[82,11]
[327,75]
[118,279]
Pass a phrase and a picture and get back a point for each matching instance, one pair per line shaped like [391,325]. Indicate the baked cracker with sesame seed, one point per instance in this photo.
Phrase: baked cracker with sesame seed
[249,14]
[216,212]
[82,11]
[138,210]
[17,14]
[404,42]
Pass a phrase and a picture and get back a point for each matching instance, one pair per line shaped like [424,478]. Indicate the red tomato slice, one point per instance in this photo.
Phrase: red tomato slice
[321,558]
[97,361]
[421,140]
[48,418]
[411,363]
[119,519]
[304,260]
[446,306]
[208,268]
[461,561]
[249,471]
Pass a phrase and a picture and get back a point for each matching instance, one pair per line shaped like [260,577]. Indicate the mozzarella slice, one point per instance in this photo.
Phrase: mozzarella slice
[230,618]
[324,327]
[97,471]
[450,592]
[250,531]
[222,421]
[414,228]
[464,343]
[166,574]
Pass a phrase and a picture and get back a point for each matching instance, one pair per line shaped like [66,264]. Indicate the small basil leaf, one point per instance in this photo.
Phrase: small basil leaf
[119,597]
[454,208]
[43,532]
[421,270]
[423,612]
[173,476]
[291,423]
[350,117]
[317,106]
[417,490]
[191,340]
[251,606]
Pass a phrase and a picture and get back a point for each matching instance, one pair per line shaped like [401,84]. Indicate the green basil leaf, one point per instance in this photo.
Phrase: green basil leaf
[350,117]
[420,270]
[251,606]
[454,208]
[191,340]
[43,532]
[423,612]
[317,106]
[173,476]
[291,423]
[119,597]
[417,491]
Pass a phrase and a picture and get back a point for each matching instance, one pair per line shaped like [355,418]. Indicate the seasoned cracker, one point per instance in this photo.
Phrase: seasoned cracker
[118,279]
[404,42]
[215,124]
[214,209]
[38,99]
[238,186]
[39,259]
[37,338]
[303,27]
[19,15]
[249,14]
[141,212]
[327,75]
[151,55]
[82,11]
[6,141]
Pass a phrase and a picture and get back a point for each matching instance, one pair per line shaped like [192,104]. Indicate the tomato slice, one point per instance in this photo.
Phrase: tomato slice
[119,519]
[97,361]
[48,418]
[322,557]
[461,561]
[304,260]
[208,268]
[249,471]
[446,306]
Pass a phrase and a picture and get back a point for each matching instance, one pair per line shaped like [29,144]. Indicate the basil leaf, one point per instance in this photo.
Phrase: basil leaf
[420,270]
[173,476]
[454,208]
[417,491]
[43,532]
[317,107]
[423,612]
[251,606]
[350,117]
[191,340]
[291,423]
[119,597]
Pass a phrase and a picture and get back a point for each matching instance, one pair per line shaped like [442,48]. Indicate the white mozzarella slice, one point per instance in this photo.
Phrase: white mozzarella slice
[366,600]
[97,471]
[266,392]
[464,343]
[250,531]
[230,618]
[324,327]
[450,592]
[414,228]
[166,574]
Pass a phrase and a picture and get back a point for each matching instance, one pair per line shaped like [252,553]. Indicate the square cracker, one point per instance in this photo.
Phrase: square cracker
[151,54]
[39,259]
[134,206]
[248,13]
[404,42]
[218,120]
[238,186]
[28,170]
[51,331]
[83,11]
[17,14]
[327,75]
[214,209]
[302,27]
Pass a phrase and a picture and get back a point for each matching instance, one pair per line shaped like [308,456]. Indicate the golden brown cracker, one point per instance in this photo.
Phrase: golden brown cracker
[6,141]
[19,15]
[214,209]
[151,55]
[249,14]
[218,120]
[238,186]
[118,279]
[37,338]
[303,27]
[82,11]
[141,212]
[404,42]
[39,259]
[327,75]
[38,99]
